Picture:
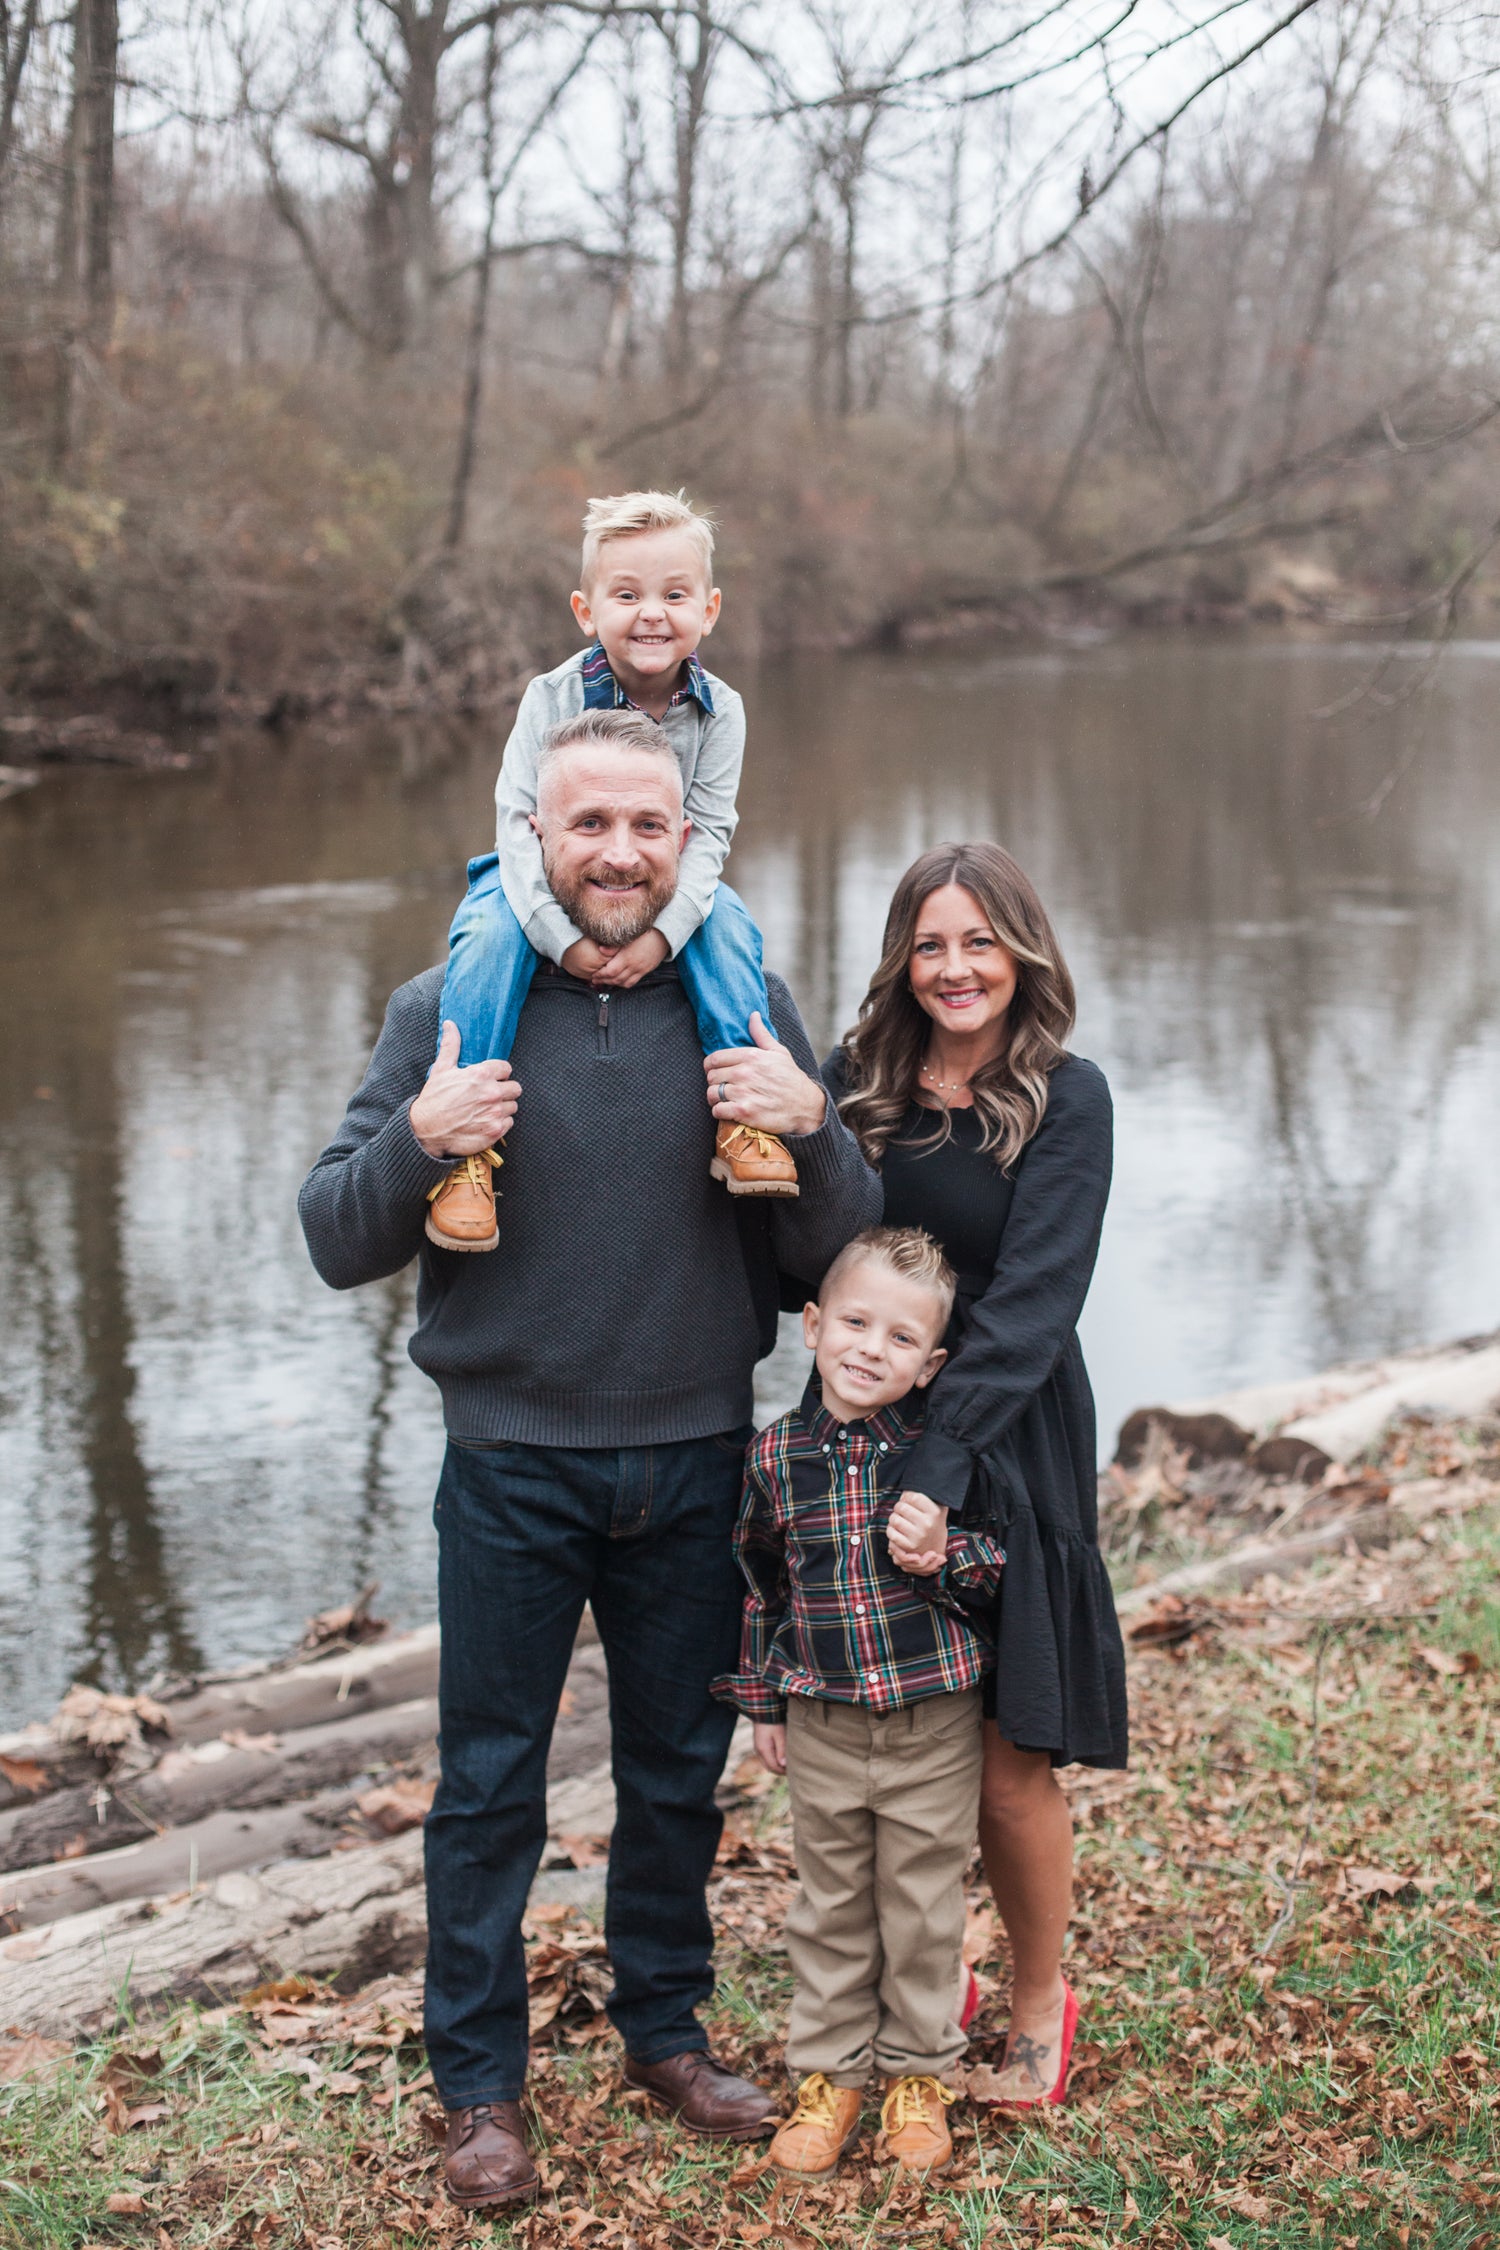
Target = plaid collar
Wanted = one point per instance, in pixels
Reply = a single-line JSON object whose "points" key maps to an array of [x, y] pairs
{"points": [[603, 692], [888, 1425]]}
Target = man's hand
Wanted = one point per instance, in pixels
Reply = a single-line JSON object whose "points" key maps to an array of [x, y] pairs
{"points": [[763, 1086], [770, 1746], [462, 1110], [631, 962], [917, 1535], [586, 960]]}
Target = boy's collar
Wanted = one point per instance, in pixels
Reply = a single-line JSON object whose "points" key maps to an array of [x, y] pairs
{"points": [[888, 1425], [603, 692]]}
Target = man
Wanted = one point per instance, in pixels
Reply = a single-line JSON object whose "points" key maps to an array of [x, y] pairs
{"points": [[596, 1378]]}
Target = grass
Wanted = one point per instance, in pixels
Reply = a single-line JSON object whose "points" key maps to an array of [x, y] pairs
{"points": [[1334, 2093]]}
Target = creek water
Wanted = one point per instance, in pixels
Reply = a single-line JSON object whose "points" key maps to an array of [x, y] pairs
{"points": [[1285, 930]]}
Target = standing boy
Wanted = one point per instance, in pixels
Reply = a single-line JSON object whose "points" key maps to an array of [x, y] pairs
{"points": [[863, 1682], [647, 600]]}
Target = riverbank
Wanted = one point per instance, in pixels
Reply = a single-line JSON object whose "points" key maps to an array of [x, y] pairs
{"points": [[1285, 1950], [1285, 1945]]}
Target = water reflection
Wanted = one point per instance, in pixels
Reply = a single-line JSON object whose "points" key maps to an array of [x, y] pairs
{"points": [[1296, 1005]]}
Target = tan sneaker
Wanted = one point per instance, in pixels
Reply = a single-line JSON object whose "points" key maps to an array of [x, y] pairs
{"points": [[914, 2125], [808, 2146], [462, 1216], [751, 1162]]}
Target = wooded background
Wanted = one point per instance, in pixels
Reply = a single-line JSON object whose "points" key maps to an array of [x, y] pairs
{"points": [[320, 319]]}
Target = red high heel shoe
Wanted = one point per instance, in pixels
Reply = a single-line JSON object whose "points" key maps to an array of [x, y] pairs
{"points": [[1059, 2093], [969, 2004]]}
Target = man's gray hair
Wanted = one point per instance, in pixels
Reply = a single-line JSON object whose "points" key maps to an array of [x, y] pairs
{"points": [[613, 730]]}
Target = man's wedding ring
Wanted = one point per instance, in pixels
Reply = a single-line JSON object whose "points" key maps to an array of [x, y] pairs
{"points": [[723, 1093]]}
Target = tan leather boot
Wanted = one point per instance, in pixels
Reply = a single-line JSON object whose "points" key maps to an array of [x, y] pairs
{"points": [[751, 1162], [462, 1214], [914, 2125], [811, 2141]]}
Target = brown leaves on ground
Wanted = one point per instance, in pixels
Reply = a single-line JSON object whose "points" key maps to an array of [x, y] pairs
{"points": [[28, 2056], [111, 1726], [398, 1806], [346, 1626]]}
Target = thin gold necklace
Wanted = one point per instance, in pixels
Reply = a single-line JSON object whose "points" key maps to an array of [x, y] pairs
{"points": [[942, 1085]]}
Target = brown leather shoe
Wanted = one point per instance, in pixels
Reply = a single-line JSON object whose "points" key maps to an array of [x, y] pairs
{"points": [[462, 1216], [485, 2160], [705, 2097], [751, 1162], [808, 2146], [914, 2125]]}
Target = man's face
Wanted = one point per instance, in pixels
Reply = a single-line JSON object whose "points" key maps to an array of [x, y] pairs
{"points": [[611, 829]]}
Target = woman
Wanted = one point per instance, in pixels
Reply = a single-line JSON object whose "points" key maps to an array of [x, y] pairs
{"points": [[990, 1135]]}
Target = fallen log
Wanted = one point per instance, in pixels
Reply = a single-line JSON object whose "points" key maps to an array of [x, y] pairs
{"points": [[346, 1918], [305, 1695], [180, 1860], [193, 1781], [1263, 1558]]}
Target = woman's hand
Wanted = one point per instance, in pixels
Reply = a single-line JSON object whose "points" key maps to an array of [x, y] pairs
{"points": [[917, 1535], [761, 1085], [462, 1110], [770, 1746]]}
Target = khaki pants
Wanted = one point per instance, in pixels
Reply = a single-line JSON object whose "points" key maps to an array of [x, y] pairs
{"points": [[885, 1811]]}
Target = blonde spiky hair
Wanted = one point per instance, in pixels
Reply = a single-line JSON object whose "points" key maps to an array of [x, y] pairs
{"points": [[623, 513], [908, 1251]]}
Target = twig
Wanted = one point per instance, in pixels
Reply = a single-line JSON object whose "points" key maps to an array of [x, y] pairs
{"points": [[1291, 1883]]}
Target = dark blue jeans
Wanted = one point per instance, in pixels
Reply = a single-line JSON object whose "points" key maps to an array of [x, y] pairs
{"points": [[526, 1535]]}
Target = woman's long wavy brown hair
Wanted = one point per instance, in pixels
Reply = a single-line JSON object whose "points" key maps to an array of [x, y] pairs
{"points": [[884, 1050]]}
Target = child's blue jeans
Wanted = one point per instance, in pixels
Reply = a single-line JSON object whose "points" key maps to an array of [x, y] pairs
{"points": [[491, 963]]}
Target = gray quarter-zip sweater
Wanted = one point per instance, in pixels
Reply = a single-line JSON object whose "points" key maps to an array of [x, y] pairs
{"points": [[630, 1296]]}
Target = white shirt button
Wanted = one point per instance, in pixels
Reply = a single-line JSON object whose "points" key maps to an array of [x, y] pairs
{"points": [[884, 1447], [873, 1678], [854, 1542], [859, 1609]]}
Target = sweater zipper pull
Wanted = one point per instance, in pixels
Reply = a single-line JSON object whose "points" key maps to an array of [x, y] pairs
{"points": [[603, 1022]]}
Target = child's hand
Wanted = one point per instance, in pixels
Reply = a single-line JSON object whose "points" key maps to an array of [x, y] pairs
{"points": [[586, 960], [629, 963], [770, 1746], [917, 1535]]}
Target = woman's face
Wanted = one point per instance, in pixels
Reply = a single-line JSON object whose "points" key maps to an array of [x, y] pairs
{"points": [[960, 972]]}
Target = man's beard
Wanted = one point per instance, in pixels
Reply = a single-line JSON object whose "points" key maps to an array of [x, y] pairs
{"points": [[606, 922]]}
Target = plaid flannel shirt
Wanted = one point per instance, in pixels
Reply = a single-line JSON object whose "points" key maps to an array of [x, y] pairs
{"points": [[603, 692], [827, 1613]]}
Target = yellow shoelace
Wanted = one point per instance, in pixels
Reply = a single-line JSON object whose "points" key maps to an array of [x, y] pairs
{"points": [[907, 2102], [763, 1144], [816, 2103], [471, 1167]]}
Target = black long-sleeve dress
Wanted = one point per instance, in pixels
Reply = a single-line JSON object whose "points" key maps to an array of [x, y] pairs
{"points": [[1010, 1419]]}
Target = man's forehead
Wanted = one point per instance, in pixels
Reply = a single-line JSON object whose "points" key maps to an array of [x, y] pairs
{"points": [[580, 777]]}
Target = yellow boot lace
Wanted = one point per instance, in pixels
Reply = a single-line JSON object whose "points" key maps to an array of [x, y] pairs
{"points": [[471, 1167], [908, 2101], [769, 1145], [816, 2103]]}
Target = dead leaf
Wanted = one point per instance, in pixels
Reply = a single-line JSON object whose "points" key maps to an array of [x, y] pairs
{"points": [[1366, 1882], [76, 1847], [398, 1806], [24, 1773], [983, 2083], [107, 1723], [32, 2057], [122, 2205], [146, 2113], [1219, 2242], [350, 1623], [1243, 2200], [586, 1851], [281, 1988], [1168, 1622], [127, 2072], [1464, 1665], [237, 1739]]}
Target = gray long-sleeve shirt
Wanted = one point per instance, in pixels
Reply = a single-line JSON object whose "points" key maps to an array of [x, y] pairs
{"points": [[710, 747], [630, 1296]]}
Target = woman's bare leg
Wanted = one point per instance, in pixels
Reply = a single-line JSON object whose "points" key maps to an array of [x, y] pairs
{"points": [[1026, 1839]]}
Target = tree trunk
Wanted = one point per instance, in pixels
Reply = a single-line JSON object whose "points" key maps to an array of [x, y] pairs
{"points": [[85, 211]]}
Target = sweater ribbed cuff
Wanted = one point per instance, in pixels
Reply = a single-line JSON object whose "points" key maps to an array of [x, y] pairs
{"points": [[401, 1158]]}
